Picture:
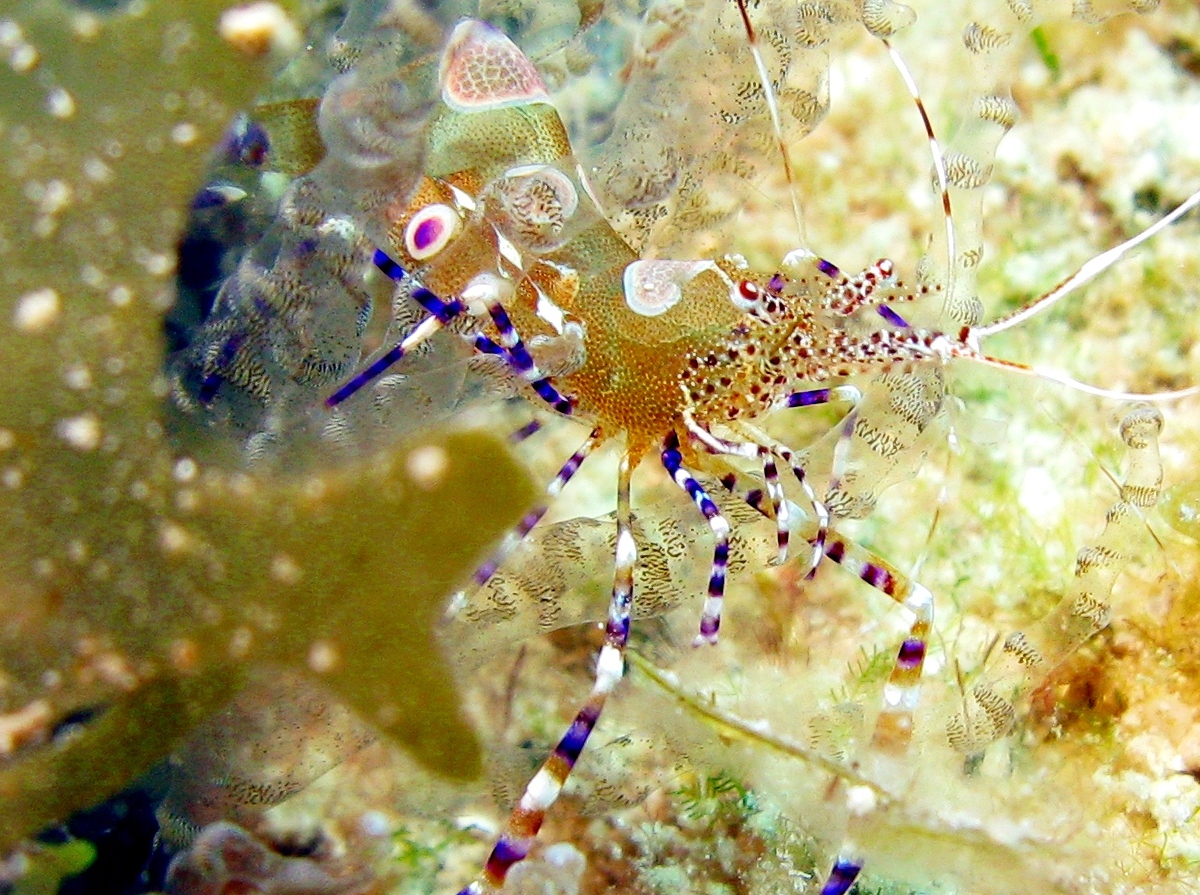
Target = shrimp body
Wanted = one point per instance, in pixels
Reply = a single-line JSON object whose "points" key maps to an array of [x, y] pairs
{"points": [[505, 207]]}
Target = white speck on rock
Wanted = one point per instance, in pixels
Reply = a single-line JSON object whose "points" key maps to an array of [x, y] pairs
{"points": [[861, 800], [185, 469], [96, 170], [24, 58], [323, 657], [256, 28], [60, 103], [80, 432], [173, 538], [184, 134], [78, 377], [37, 310], [55, 196], [284, 569], [427, 465]]}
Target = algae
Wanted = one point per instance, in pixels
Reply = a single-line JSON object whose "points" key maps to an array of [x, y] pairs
{"points": [[137, 581], [52, 865]]}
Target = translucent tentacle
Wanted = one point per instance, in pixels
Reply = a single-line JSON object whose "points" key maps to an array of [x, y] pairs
{"points": [[896, 412], [990, 704]]}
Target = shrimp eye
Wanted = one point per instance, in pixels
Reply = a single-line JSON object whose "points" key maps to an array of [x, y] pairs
{"points": [[746, 295], [430, 230]]}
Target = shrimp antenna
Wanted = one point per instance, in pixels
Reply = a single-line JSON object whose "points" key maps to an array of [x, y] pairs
{"points": [[773, 110], [1086, 388], [1087, 272], [939, 159]]}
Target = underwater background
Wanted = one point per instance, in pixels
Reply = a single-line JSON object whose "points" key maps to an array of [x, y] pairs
{"points": [[222, 644]]}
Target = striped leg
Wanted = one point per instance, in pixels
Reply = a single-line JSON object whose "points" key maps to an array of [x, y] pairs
{"points": [[752, 497], [902, 691], [814, 396], [811, 398], [779, 504], [485, 289], [513, 539], [845, 871], [710, 619], [440, 314], [752, 451], [529, 429], [518, 355], [901, 694], [819, 510], [543, 790]]}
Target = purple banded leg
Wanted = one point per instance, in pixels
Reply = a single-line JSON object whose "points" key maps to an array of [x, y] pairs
{"points": [[891, 317], [815, 396], [543, 790], [444, 311], [440, 313], [811, 398], [522, 361], [753, 497], [829, 269], [783, 531], [484, 345], [775, 492], [820, 512], [845, 871], [710, 618], [530, 428], [901, 693], [388, 266], [518, 534], [420, 333]]}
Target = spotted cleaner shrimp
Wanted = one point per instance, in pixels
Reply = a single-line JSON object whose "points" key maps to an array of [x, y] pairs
{"points": [[504, 242]]}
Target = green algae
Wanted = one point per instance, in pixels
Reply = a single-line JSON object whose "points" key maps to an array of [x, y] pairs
{"points": [[52, 864], [135, 580]]}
